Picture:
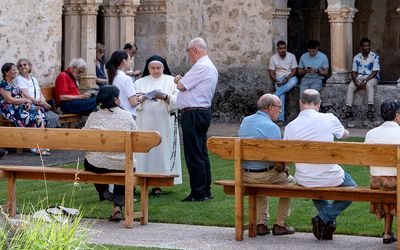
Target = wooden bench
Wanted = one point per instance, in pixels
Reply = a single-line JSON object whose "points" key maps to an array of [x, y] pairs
{"points": [[359, 154], [48, 93], [127, 142]]}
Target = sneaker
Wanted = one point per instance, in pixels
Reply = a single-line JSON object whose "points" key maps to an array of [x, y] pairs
{"points": [[328, 231], [282, 230], [318, 226], [262, 229]]}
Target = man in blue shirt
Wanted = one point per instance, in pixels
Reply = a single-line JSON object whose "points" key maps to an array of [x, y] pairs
{"points": [[314, 67], [364, 75], [261, 125]]}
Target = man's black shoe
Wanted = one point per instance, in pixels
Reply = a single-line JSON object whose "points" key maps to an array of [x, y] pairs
{"points": [[210, 196], [190, 198], [318, 226], [3, 152], [329, 229]]}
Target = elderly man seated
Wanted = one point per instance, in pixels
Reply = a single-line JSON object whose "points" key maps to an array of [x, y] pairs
{"points": [[68, 96]]}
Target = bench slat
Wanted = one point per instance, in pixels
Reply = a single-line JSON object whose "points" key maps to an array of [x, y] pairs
{"points": [[331, 193], [315, 152]]}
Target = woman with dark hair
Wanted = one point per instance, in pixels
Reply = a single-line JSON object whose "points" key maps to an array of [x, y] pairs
{"points": [[159, 104], [109, 117], [385, 178], [101, 75], [14, 106], [118, 64]]}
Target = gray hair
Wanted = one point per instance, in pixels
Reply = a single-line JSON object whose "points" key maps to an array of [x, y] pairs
{"points": [[266, 100], [198, 43], [78, 63], [310, 96]]}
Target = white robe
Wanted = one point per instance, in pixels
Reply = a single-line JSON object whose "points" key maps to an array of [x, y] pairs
{"points": [[156, 116]]}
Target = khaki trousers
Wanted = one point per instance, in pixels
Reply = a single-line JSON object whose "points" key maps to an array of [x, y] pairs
{"points": [[262, 202], [370, 91]]}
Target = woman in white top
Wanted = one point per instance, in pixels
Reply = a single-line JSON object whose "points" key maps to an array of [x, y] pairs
{"points": [[158, 112], [385, 178], [119, 63], [30, 88], [109, 117]]}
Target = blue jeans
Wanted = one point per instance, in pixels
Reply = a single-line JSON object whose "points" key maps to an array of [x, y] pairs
{"points": [[281, 91], [310, 83], [329, 210]]}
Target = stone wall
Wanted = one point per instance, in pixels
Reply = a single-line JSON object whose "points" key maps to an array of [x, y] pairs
{"points": [[240, 39], [32, 29]]}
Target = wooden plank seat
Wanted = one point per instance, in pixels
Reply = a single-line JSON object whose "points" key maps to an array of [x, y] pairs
{"points": [[352, 153], [128, 142]]}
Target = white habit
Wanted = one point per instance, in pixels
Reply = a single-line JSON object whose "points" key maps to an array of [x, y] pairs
{"points": [[156, 116]]}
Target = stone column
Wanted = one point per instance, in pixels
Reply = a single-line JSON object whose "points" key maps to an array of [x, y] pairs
{"points": [[127, 13], [279, 22], [72, 31], [88, 42], [111, 27], [341, 14]]}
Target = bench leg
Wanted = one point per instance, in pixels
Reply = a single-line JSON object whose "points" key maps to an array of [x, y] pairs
{"points": [[252, 213], [12, 195], [129, 201], [144, 202], [239, 217]]}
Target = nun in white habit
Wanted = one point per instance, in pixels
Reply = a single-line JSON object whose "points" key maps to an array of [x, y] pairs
{"points": [[157, 111]]}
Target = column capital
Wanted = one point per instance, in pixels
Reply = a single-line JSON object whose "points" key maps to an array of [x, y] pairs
{"points": [[71, 9], [341, 15], [153, 7], [89, 8], [127, 9], [110, 10], [281, 13]]}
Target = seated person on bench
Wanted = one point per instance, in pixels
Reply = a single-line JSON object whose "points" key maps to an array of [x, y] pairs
{"points": [[261, 125], [312, 125], [109, 117], [67, 93], [385, 178]]}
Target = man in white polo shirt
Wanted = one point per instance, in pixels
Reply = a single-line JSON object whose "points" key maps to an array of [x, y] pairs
{"points": [[312, 125], [196, 90], [282, 70]]}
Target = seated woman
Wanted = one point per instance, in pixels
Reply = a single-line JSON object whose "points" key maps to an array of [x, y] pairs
{"points": [[109, 117], [101, 75], [166, 158], [385, 178], [119, 63], [14, 106], [30, 88]]}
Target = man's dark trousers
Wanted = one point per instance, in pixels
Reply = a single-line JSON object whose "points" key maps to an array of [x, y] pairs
{"points": [[195, 124]]}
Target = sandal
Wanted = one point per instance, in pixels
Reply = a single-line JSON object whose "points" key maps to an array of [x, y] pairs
{"points": [[42, 152], [117, 216], [389, 240], [156, 191]]}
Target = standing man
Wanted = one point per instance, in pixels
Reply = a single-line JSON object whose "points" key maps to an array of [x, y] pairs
{"points": [[312, 125], [67, 93], [197, 89], [282, 70], [313, 66], [261, 126], [364, 76], [131, 49]]}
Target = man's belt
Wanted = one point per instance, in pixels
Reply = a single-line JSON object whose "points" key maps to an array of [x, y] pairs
{"points": [[259, 170], [194, 108]]}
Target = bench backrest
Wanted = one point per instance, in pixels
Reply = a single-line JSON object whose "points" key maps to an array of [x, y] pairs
{"points": [[305, 151], [48, 92]]}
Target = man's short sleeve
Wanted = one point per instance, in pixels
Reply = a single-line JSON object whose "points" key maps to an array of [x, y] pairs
{"points": [[355, 65], [272, 63], [325, 62], [376, 66], [293, 63], [337, 127]]}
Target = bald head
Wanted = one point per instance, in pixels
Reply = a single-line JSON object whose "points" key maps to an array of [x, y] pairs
{"points": [[267, 100], [310, 96]]}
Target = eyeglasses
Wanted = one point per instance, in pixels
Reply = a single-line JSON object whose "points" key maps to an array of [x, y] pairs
{"points": [[22, 64], [187, 49], [279, 106]]}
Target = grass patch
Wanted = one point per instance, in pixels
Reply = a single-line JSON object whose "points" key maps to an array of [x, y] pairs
{"points": [[356, 220]]}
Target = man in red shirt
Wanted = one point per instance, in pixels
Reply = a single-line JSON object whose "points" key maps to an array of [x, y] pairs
{"points": [[68, 96]]}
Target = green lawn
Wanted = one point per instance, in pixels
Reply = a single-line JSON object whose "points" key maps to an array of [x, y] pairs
{"points": [[168, 208]]}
